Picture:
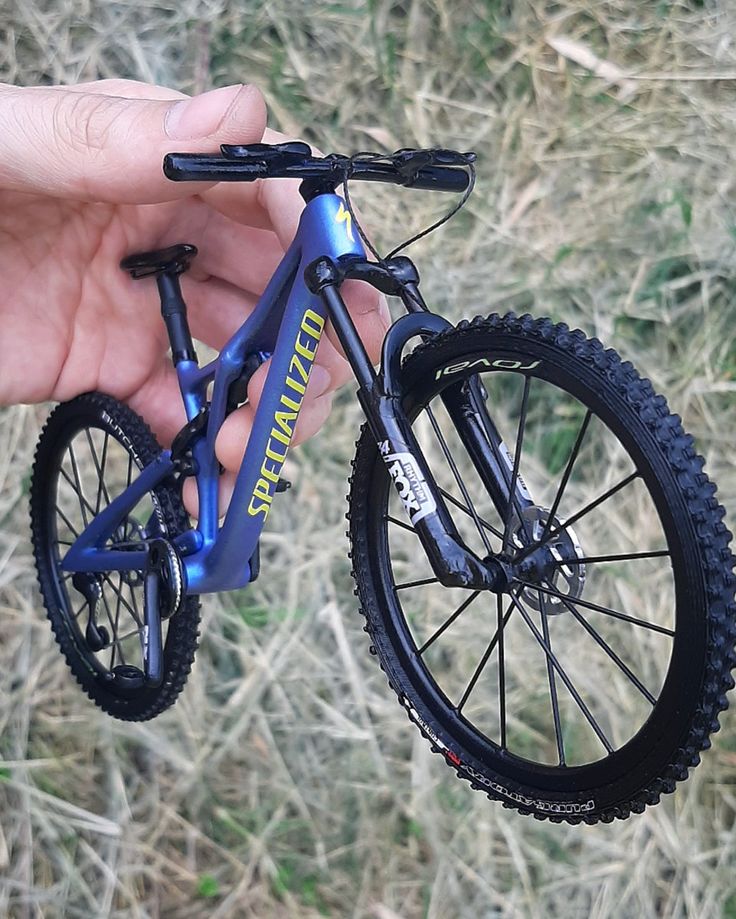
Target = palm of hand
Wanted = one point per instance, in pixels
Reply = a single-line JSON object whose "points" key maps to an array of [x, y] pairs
{"points": [[68, 309], [73, 321]]}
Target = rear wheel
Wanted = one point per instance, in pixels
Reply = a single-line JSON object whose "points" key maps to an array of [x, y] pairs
{"points": [[88, 453], [590, 687]]}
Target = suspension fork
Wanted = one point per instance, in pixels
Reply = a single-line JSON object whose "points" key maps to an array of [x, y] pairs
{"points": [[465, 402], [380, 396]]}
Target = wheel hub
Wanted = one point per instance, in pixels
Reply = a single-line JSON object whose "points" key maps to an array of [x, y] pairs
{"points": [[555, 565]]}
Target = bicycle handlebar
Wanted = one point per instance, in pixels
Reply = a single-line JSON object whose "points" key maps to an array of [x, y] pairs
{"points": [[195, 167]]}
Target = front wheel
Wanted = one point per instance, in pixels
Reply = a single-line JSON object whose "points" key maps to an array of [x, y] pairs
{"points": [[591, 685]]}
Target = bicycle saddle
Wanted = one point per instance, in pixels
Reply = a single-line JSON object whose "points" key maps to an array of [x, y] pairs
{"points": [[172, 260]]}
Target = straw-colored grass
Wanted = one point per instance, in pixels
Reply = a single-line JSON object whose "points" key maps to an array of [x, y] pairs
{"points": [[287, 781]]}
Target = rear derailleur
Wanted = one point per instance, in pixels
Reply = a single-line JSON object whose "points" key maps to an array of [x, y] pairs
{"points": [[163, 592]]}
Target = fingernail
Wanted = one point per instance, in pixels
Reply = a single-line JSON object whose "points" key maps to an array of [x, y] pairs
{"points": [[319, 380], [201, 116]]}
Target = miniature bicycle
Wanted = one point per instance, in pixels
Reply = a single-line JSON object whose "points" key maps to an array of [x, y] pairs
{"points": [[548, 584]]}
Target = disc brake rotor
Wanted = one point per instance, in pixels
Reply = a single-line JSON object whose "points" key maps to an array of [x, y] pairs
{"points": [[555, 566]]}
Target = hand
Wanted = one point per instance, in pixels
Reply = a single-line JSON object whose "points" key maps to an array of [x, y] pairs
{"points": [[81, 186]]}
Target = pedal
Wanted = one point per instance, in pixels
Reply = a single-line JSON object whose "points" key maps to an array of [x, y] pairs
{"points": [[283, 485]]}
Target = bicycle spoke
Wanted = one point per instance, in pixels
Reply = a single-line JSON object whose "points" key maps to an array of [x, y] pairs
{"points": [[458, 478], [453, 500], [416, 583], [83, 502], [448, 622], [602, 643], [568, 472], [116, 642], [483, 661], [600, 609], [109, 619], [501, 671], [552, 686], [133, 612], [399, 523], [575, 517], [63, 516], [625, 557], [563, 676], [517, 461], [75, 470], [138, 617], [118, 605], [100, 467]]}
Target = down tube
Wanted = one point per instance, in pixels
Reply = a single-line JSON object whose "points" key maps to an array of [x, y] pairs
{"points": [[273, 428]]}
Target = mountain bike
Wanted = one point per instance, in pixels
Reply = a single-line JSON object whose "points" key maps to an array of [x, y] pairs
{"points": [[540, 559]]}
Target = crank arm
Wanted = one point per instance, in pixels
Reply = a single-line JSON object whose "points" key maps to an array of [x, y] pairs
{"points": [[153, 662]]}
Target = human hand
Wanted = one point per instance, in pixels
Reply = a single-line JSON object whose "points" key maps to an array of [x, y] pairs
{"points": [[81, 185]]}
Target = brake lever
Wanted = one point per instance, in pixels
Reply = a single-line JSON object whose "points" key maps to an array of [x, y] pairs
{"points": [[444, 157], [408, 161]]}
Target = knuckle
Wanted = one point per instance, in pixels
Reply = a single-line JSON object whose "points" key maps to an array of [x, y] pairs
{"points": [[82, 123]]}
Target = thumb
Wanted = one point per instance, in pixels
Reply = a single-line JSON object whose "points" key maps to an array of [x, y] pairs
{"points": [[96, 147]]}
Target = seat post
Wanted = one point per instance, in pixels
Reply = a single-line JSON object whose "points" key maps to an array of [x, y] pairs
{"points": [[174, 312]]}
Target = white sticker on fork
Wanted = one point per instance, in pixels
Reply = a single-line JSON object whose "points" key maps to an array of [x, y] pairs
{"points": [[410, 483], [520, 483]]}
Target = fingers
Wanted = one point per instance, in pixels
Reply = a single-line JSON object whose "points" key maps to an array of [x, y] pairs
{"points": [[242, 255], [216, 309], [225, 488], [369, 312], [274, 204], [235, 430], [126, 89], [92, 146]]}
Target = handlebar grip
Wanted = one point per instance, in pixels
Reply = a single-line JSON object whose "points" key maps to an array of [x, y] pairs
{"points": [[440, 178], [194, 167]]}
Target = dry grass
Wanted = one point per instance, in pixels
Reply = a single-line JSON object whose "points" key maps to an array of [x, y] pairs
{"points": [[287, 781]]}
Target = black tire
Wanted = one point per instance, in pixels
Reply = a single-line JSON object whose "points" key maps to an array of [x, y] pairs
{"points": [[695, 667], [127, 443]]}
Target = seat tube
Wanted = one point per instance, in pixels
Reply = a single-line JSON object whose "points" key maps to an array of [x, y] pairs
{"points": [[174, 313]]}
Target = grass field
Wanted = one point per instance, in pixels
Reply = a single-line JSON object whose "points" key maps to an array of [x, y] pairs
{"points": [[287, 781]]}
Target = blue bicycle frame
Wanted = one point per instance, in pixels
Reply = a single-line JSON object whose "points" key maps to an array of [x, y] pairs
{"points": [[286, 324], [286, 327]]}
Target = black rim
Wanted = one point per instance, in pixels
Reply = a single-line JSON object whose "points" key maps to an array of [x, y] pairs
{"points": [[90, 466], [564, 756]]}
